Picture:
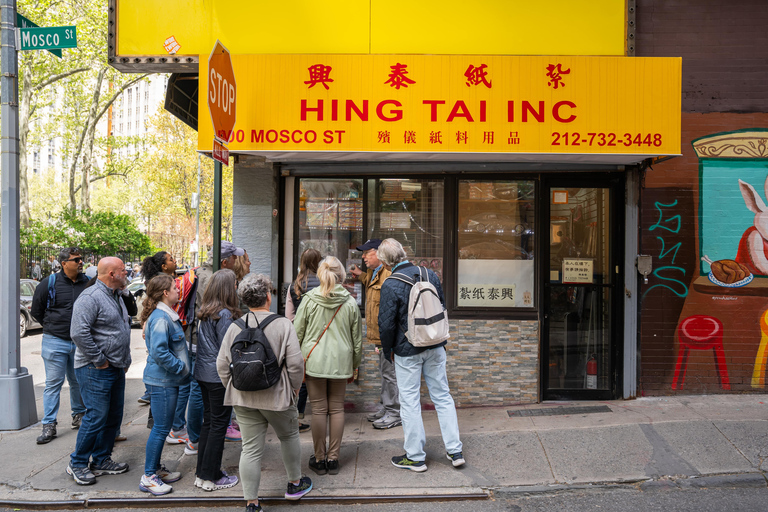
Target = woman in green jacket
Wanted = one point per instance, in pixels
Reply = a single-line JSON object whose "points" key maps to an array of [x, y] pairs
{"points": [[329, 328]]}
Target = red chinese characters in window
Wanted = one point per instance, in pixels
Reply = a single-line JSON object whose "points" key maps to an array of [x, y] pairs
{"points": [[554, 72], [319, 74], [397, 78], [477, 75]]}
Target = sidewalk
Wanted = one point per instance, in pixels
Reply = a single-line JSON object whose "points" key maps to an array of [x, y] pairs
{"points": [[659, 441]]}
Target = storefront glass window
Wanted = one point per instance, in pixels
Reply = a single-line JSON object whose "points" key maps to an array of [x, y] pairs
{"points": [[331, 221], [496, 251], [410, 211]]}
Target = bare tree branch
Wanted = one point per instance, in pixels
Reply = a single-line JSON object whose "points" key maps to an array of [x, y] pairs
{"points": [[117, 93], [55, 78], [101, 177]]}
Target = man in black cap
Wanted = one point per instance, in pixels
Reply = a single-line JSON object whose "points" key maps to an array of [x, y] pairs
{"points": [[389, 414]]}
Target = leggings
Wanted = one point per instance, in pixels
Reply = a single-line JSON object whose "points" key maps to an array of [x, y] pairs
{"points": [[327, 399]]}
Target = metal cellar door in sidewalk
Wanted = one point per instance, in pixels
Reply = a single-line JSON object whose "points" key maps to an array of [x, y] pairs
{"points": [[581, 316]]}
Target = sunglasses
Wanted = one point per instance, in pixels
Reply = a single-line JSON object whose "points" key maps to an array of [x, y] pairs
{"points": [[76, 260]]}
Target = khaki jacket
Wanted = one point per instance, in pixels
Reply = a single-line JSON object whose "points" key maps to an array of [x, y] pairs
{"points": [[372, 300]]}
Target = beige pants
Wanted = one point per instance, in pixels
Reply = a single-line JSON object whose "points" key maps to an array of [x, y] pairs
{"points": [[327, 399]]}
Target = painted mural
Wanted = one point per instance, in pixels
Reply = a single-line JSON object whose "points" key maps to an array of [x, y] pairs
{"points": [[722, 330]]}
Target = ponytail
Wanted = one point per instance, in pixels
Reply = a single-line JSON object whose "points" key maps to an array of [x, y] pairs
{"points": [[330, 272]]}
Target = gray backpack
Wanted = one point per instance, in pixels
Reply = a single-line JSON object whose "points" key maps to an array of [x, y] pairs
{"points": [[427, 318]]}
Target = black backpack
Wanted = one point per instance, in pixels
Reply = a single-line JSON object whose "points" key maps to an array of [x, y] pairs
{"points": [[254, 366]]}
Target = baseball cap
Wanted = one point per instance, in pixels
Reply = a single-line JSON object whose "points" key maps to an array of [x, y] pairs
{"points": [[373, 243], [229, 249]]}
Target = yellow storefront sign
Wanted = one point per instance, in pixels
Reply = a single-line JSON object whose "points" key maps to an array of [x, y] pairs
{"points": [[497, 27], [452, 104]]}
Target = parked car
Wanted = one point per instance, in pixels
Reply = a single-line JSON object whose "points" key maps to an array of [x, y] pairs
{"points": [[138, 290], [26, 322]]}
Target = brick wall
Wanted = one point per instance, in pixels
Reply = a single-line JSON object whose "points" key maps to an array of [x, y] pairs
{"points": [[724, 46], [671, 189], [490, 362]]}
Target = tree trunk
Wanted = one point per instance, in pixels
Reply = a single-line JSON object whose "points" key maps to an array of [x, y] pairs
{"points": [[90, 127], [26, 100]]}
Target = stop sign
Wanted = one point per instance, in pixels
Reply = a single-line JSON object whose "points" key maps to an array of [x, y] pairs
{"points": [[222, 92]]}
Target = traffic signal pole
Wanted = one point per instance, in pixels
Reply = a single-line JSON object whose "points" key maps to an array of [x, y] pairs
{"points": [[17, 393], [217, 180]]}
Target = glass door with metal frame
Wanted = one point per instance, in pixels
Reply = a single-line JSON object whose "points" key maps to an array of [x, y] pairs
{"points": [[581, 328]]}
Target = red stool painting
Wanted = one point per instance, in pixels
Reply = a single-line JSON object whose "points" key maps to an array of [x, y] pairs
{"points": [[701, 332]]}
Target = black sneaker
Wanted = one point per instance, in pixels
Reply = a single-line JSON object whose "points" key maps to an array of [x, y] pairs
{"points": [[253, 508], [77, 420], [317, 466], [109, 467], [49, 432], [333, 467], [405, 463], [303, 427], [82, 476], [295, 492], [457, 459]]}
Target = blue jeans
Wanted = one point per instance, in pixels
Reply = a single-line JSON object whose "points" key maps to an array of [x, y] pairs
{"points": [[59, 359], [409, 369], [103, 393], [163, 402], [192, 418]]}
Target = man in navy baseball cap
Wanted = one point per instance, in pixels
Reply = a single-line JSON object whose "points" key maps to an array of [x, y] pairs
{"points": [[373, 243], [388, 415]]}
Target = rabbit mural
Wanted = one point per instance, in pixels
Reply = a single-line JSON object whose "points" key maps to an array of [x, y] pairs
{"points": [[753, 246]]}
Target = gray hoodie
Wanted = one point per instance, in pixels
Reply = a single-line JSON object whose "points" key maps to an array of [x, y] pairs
{"points": [[101, 328]]}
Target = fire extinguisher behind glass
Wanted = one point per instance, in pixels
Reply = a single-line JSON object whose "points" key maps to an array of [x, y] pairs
{"points": [[592, 372]]}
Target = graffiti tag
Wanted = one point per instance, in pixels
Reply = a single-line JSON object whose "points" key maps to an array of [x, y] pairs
{"points": [[665, 273]]}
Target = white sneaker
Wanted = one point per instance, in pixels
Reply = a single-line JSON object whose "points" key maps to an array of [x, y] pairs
{"points": [[154, 485], [190, 448], [199, 481], [387, 421], [168, 476]]}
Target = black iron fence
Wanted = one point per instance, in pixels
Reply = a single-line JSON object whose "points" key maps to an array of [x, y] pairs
{"points": [[38, 261]]}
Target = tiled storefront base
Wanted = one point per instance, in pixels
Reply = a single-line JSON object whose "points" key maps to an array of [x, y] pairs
{"points": [[490, 362]]}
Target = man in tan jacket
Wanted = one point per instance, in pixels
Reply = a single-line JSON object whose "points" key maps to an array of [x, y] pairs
{"points": [[389, 414]]}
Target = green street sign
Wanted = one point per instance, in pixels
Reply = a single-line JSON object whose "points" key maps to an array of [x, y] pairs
{"points": [[22, 22], [47, 38]]}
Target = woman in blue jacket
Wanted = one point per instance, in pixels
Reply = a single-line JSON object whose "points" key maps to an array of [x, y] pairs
{"points": [[167, 369]]}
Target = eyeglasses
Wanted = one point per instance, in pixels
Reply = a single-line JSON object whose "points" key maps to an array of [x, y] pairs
{"points": [[76, 260]]}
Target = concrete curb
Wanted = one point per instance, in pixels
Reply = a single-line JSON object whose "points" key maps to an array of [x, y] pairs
{"points": [[740, 480], [226, 501]]}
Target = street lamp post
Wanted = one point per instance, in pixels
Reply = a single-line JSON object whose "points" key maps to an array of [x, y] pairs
{"points": [[17, 393]]}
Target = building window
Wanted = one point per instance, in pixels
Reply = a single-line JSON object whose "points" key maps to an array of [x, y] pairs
{"points": [[410, 211], [495, 244], [331, 221]]}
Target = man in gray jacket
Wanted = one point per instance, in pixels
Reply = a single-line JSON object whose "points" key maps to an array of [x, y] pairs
{"points": [[101, 331]]}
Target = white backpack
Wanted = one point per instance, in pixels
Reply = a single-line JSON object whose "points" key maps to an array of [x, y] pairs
{"points": [[427, 318]]}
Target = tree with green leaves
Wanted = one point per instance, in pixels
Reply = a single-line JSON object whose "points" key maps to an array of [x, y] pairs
{"points": [[103, 233], [78, 89]]}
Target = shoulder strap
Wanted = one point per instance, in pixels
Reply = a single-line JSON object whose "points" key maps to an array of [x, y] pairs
{"points": [[425, 275], [321, 335], [401, 279], [51, 290], [240, 323], [267, 321]]}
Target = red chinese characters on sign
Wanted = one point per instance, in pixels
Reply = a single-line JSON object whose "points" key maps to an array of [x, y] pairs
{"points": [[488, 137], [477, 75], [462, 137], [384, 137], [435, 137], [397, 78], [319, 74], [553, 72], [409, 137]]}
